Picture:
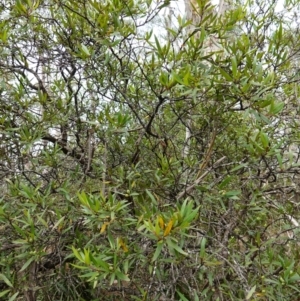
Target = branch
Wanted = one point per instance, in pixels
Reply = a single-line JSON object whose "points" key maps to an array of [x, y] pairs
{"points": [[191, 187], [65, 150]]}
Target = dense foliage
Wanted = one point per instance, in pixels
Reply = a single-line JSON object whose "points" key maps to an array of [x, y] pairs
{"points": [[140, 160]]}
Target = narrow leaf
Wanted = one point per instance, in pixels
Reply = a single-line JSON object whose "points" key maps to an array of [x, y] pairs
{"points": [[182, 297], [122, 276], [264, 139], [4, 293], [58, 222], [226, 75], [234, 66], [4, 278], [157, 251], [14, 296], [276, 108], [103, 227], [168, 228], [76, 253], [251, 292], [151, 197], [161, 222], [27, 263], [174, 246], [85, 50]]}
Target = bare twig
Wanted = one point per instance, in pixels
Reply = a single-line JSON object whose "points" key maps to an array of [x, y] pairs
{"points": [[191, 187]]}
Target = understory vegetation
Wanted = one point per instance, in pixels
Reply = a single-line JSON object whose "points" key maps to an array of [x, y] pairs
{"points": [[144, 156]]}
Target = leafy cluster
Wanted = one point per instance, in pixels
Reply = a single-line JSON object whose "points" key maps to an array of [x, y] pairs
{"points": [[141, 161]]}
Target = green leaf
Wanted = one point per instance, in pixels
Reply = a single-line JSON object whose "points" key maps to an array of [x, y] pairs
{"points": [[14, 296], [151, 196], [27, 263], [21, 8], [240, 166], [158, 250], [295, 277], [122, 276], [225, 182], [202, 35], [225, 74], [178, 78], [85, 50], [173, 246], [126, 266], [276, 108], [5, 279], [251, 292], [77, 255], [111, 241], [159, 49], [279, 32], [4, 293], [234, 67], [112, 278], [79, 266], [232, 193], [190, 216], [279, 160], [87, 258], [36, 4], [183, 208], [196, 298], [264, 139], [57, 223], [202, 247], [83, 198], [164, 4], [182, 297], [90, 275], [102, 264], [163, 78]]}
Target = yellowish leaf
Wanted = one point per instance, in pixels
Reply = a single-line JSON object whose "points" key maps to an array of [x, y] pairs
{"points": [[103, 228], [122, 244], [168, 228], [161, 222]]}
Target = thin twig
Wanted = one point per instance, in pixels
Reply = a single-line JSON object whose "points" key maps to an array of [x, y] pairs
{"points": [[191, 187]]}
